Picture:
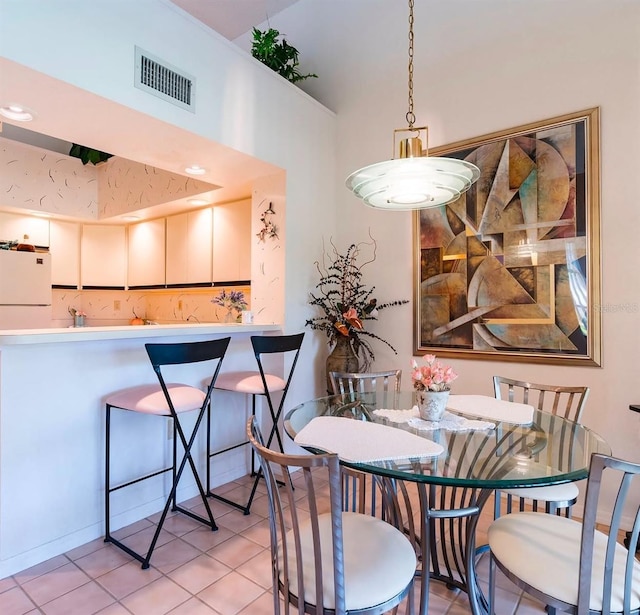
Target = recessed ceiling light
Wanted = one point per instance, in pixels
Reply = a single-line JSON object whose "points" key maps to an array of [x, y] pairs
{"points": [[130, 218], [194, 169], [198, 201], [17, 113]]}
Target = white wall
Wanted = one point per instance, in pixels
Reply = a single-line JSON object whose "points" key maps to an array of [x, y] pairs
{"points": [[240, 104], [482, 66]]}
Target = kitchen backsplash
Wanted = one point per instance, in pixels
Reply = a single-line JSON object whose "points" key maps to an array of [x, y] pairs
{"points": [[104, 307]]}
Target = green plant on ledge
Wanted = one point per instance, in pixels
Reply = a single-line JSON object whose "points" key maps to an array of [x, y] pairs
{"points": [[277, 54], [87, 154]]}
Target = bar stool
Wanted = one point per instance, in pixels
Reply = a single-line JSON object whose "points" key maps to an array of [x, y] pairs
{"points": [[256, 383], [168, 400]]}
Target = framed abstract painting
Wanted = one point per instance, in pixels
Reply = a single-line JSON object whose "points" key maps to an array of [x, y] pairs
{"points": [[511, 269]]}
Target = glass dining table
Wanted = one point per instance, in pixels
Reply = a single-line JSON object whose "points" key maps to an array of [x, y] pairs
{"points": [[451, 469]]}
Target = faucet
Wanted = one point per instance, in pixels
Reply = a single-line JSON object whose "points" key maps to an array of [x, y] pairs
{"points": [[194, 318]]}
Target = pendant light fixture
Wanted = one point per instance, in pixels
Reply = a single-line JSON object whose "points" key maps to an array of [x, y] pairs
{"points": [[413, 180]]}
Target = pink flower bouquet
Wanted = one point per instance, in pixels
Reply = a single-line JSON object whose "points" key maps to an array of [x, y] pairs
{"points": [[433, 376]]}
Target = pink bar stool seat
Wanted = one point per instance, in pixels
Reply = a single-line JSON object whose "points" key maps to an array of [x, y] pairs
{"points": [[249, 382], [150, 399]]}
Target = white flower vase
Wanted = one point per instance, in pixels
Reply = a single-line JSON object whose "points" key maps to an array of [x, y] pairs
{"points": [[432, 404]]}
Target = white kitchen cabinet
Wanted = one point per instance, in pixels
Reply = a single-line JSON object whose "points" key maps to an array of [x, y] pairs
{"points": [[103, 252], [232, 242], [65, 253], [189, 242], [15, 227], [146, 254]]}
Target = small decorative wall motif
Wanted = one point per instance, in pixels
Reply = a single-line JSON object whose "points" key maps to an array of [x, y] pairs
{"points": [[269, 229]]}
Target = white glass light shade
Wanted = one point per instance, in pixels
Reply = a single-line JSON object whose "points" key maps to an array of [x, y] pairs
{"points": [[413, 183]]}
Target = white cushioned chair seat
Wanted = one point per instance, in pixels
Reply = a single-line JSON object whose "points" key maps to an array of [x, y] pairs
{"points": [[566, 492], [150, 399], [248, 382], [544, 551], [379, 561]]}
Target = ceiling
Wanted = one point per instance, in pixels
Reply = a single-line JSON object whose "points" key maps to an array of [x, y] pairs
{"points": [[232, 18]]}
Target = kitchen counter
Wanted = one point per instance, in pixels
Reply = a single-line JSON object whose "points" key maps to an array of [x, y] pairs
{"points": [[116, 332], [53, 386]]}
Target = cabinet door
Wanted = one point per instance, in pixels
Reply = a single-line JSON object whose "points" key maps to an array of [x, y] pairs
{"points": [[189, 240], [65, 253], [232, 242], [146, 266], [15, 227], [103, 256]]}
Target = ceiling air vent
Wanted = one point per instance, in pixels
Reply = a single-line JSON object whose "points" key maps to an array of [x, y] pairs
{"points": [[163, 80]]}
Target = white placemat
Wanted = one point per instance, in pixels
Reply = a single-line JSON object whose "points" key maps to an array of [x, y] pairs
{"points": [[450, 422], [491, 408], [362, 441]]}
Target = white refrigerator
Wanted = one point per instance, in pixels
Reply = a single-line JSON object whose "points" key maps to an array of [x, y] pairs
{"points": [[25, 290]]}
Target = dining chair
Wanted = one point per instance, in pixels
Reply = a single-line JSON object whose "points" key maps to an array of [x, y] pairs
{"points": [[361, 382], [360, 490], [324, 560], [570, 565], [567, 402]]}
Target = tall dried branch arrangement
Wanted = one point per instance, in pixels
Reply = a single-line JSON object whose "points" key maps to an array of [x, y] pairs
{"points": [[345, 302]]}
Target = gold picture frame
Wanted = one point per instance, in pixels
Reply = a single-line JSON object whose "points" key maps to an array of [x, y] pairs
{"points": [[511, 269]]}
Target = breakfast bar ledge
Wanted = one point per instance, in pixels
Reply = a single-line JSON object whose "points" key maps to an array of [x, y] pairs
{"points": [[53, 383]]}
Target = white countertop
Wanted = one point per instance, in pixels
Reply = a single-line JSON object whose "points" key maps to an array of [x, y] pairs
{"points": [[86, 334]]}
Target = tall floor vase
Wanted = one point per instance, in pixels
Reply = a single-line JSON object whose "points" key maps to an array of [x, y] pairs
{"points": [[341, 359]]}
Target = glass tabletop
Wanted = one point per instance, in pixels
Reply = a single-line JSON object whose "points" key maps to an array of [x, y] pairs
{"points": [[548, 450]]}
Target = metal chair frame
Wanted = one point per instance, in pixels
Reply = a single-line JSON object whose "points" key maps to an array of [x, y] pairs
{"points": [[568, 402], [162, 355], [289, 511], [350, 383], [262, 345], [355, 484], [627, 472]]}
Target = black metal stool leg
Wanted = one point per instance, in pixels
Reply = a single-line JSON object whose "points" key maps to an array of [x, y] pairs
{"points": [[188, 457], [275, 417], [245, 508], [171, 499], [175, 459], [627, 543], [107, 473], [209, 446], [253, 453]]}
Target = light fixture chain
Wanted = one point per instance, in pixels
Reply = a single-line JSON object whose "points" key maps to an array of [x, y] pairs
{"points": [[414, 180], [411, 118]]}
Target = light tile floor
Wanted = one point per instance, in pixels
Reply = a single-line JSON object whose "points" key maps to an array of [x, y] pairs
{"points": [[194, 571]]}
